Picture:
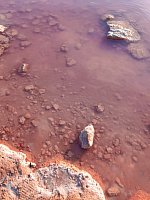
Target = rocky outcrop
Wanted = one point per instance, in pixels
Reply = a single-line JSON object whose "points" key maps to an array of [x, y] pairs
{"points": [[87, 136], [57, 181], [122, 30]]}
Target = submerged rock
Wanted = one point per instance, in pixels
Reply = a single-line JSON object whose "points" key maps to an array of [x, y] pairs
{"points": [[122, 30], [138, 51], [87, 137], [107, 17], [57, 181]]}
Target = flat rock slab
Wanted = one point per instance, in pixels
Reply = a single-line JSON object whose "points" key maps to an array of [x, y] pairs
{"points": [[122, 30], [57, 181], [138, 51]]}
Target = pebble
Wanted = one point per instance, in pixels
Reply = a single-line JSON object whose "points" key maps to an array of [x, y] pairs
{"points": [[113, 191], [55, 107], [64, 48], [25, 43], [91, 30], [22, 120], [62, 123], [21, 37], [61, 27], [134, 158], [27, 116], [117, 180], [78, 46], [47, 107], [28, 88], [99, 108], [70, 62], [23, 69], [42, 91], [1, 77], [34, 123]]}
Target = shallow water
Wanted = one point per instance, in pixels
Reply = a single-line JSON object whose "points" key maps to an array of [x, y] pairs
{"points": [[104, 73]]}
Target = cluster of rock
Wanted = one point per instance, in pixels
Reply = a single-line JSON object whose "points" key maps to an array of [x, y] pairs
{"points": [[57, 181], [123, 30]]}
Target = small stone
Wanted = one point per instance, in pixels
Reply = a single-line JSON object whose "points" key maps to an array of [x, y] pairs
{"points": [[91, 30], [53, 22], [61, 27], [109, 150], [99, 108], [86, 137], [113, 191], [62, 123], [34, 123], [29, 88], [134, 158], [70, 62], [23, 69], [21, 37], [42, 91], [27, 116], [117, 180], [116, 142], [25, 43], [100, 155], [12, 32], [107, 156], [47, 107], [36, 30], [64, 48], [7, 92], [55, 107], [22, 120], [1, 77], [78, 46]]}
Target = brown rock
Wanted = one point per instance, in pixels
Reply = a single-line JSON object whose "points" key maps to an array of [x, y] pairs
{"points": [[34, 123], [55, 107], [25, 43], [70, 62], [29, 88], [113, 191], [99, 108], [64, 48]]}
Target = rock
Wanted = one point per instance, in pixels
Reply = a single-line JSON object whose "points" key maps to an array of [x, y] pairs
{"points": [[138, 51], [53, 22], [34, 123], [55, 107], [122, 30], [12, 32], [47, 107], [113, 191], [21, 37], [56, 181], [86, 137], [70, 62], [91, 30], [23, 69], [22, 120], [62, 123], [36, 30], [64, 48], [28, 88], [4, 39], [60, 27], [78, 46], [27, 116], [107, 17], [42, 91], [2, 28], [25, 43], [99, 108], [117, 180], [1, 77]]}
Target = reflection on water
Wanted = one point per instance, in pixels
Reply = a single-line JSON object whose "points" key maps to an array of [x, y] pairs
{"points": [[47, 34]]}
